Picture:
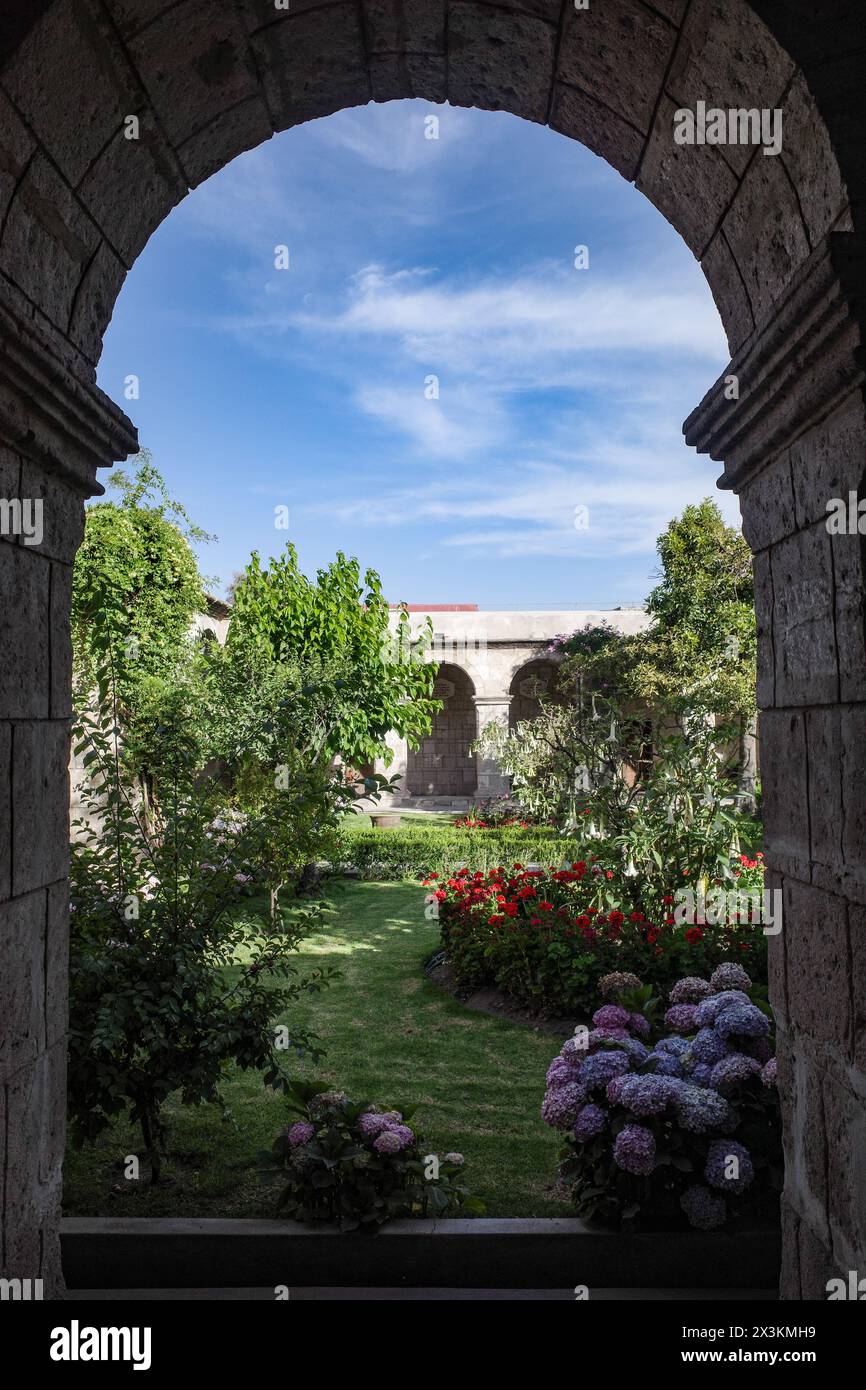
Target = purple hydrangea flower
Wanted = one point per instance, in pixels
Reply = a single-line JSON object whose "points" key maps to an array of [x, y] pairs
{"points": [[372, 1123], [599, 1036], [560, 1106], [648, 1095], [699, 1110], [636, 1051], [704, 1210], [729, 975], [677, 1046], [601, 1068], [388, 1142], [613, 1089], [709, 1009], [708, 1046], [731, 1070], [634, 1150], [681, 1017], [561, 1071], [760, 1048], [611, 1016], [742, 1020], [667, 1064], [618, 982], [702, 1075], [590, 1122], [689, 990], [403, 1133], [300, 1133], [457, 1159], [719, 1156], [639, 1025], [769, 1075]]}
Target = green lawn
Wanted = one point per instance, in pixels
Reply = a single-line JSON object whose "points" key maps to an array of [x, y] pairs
{"points": [[390, 1035]]}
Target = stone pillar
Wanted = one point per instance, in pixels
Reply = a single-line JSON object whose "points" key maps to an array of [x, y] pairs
{"points": [[491, 709], [397, 767], [795, 440], [55, 429]]}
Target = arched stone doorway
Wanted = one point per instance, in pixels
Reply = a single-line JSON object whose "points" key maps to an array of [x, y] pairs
{"points": [[443, 765], [110, 111]]}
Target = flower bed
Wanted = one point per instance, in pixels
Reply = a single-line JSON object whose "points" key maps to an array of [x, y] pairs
{"points": [[677, 1125], [541, 936]]}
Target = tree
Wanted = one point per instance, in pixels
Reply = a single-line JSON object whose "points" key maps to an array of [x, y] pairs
{"points": [[372, 680]]}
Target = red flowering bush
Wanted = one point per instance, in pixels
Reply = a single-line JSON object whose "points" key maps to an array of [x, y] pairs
{"points": [[541, 935]]}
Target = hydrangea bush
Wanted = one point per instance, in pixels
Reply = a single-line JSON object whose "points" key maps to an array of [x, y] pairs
{"points": [[357, 1165], [671, 1121]]}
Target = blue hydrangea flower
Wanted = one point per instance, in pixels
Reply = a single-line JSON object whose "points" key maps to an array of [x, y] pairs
{"points": [[704, 1210], [648, 1095], [742, 1020], [707, 1046], [699, 1110], [667, 1064], [682, 1018], [678, 1046], [719, 1156], [701, 1074], [709, 1009], [601, 1068]]}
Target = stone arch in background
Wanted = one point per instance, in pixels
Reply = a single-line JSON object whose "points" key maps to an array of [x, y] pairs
{"points": [[780, 240], [531, 683], [443, 765]]}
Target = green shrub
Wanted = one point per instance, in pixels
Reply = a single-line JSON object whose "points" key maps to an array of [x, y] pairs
{"points": [[416, 851]]}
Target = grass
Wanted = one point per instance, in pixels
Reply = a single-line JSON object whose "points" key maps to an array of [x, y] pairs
{"points": [[390, 1035]]}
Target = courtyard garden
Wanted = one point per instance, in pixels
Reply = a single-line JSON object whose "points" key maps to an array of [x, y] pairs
{"points": [[255, 1027]]}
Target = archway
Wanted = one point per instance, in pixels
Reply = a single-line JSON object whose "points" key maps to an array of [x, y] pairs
{"points": [[443, 766], [533, 683], [110, 112]]}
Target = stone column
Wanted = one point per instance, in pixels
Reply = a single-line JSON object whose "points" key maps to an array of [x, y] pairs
{"points": [[491, 709], [55, 429], [397, 767], [795, 440]]}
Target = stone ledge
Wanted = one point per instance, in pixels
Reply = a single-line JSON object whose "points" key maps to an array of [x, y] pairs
{"points": [[793, 370], [558, 1252]]}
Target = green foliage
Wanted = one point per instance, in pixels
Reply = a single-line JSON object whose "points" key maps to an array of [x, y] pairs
{"points": [[338, 1171], [135, 587], [700, 652], [378, 681], [172, 977], [418, 849]]}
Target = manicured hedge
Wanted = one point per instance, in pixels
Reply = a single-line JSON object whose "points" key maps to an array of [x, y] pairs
{"points": [[418, 850]]}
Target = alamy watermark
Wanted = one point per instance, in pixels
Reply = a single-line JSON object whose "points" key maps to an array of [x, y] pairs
{"points": [[715, 125], [732, 905], [22, 517]]}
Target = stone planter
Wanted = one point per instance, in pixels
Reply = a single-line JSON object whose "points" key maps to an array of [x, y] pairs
{"points": [[385, 821], [555, 1253]]}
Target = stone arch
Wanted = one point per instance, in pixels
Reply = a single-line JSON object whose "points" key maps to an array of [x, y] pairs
{"points": [[533, 681], [783, 253], [443, 765]]}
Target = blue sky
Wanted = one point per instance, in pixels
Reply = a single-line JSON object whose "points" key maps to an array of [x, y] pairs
{"points": [[308, 388]]}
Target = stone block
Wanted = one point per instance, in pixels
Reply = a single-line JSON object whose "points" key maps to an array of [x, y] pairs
{"points": [[845, 1122], [766, 233], [62, 512], [94, 304], [762, 570], [601, 44], [767, 501], [811, 161], [61, 642], [582, 118], [73, 118], [5, 810], [825, 755], [132, 15], [40, 791], [24, 633], [816, 951], [852, 775], [827, 462], [729, 293], [48, 241], [22, 982], [405, 26], [804, 629], [789, 1284], [313, 64], [690, 185], [149, 166], [857, 938], [728, 58], [241, 128], [57, 964], [500, 60], [776, 955], [16, 148], [195, 64], [849, 574], [36, 1114], [784, 772]]}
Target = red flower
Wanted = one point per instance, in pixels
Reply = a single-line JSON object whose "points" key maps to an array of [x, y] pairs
{"points": [[693, 935]]}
